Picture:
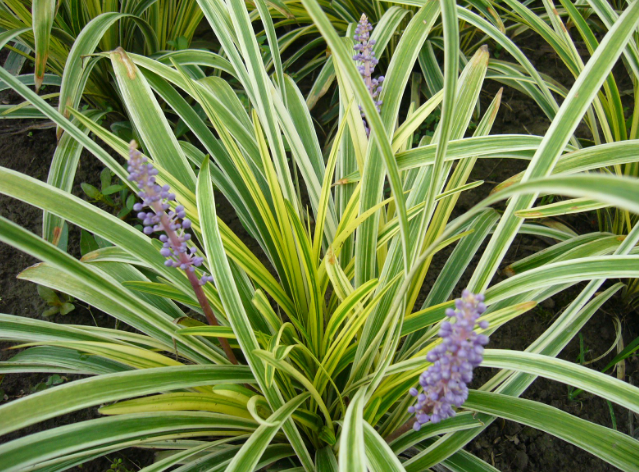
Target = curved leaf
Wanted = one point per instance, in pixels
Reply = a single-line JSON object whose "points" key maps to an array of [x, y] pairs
{"points": [[249, 455], [566, 372], [84, 393], [19, 455], [616, 448]]}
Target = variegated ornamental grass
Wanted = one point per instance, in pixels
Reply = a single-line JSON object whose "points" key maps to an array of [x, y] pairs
{"points": [[303, 48], [605, 118], [58, 35], [325, 320]]}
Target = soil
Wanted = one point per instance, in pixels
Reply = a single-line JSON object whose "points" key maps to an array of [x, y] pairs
{"points": [[30, 151], [506, 445]]}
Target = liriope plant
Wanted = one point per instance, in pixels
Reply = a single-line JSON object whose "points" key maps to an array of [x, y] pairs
{"points": [[306, 55], [330, 341], [57, 35], [608, 121]]}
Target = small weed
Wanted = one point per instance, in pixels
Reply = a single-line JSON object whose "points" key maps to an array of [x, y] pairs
{"points": [[59, 303], [118, 466], [51, 382]]}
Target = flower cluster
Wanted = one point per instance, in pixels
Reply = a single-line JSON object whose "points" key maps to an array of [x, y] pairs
{"points": [[445, 383], [365, 56], [162, 218]]}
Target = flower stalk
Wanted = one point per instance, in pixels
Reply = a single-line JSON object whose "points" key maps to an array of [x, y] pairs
{"points": [[445, 383], [173, 224], [365, 56]]}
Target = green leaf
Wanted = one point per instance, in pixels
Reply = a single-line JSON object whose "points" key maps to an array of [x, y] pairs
{"points": [[91, 218], [93, 391], [61, 175], [54, 310], [450, 27], [21, 454], [105, 178], [615, 191], [463, 461], [91, 192], [566, 372], [48, 295], [149, 119], [380, 456], [561, 272], [616, 448], [322, 84], [163, 290], [87, 243], [325, 460], [224, 401], [459, 422], [111, 189], [567, 207], [165, 464], [18, 328], [74, 77], [66, 308], [43, 15], [249, 455], [233, 28], [59, 360], [561, 129], [210, 331], [352, 450], [237, 316]]}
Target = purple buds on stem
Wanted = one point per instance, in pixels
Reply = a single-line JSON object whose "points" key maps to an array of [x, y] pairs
{"points": [[365, 57], [162, 219], [445, 383], [173, 224]]}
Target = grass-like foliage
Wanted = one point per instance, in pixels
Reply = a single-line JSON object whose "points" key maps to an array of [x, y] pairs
{"points": [[330, 320], [607, 119], [59, 35], [303, 49]]}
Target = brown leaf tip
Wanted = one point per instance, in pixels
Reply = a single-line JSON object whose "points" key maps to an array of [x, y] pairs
{"points": [[130, 67]]}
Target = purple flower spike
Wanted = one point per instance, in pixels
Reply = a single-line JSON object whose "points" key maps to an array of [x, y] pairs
{"points": [[162, 218], [445, 383], [365, 57]]}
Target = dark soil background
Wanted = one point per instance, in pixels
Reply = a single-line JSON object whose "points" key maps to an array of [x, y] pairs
{"points": [[506, 445], [30, 150]]}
